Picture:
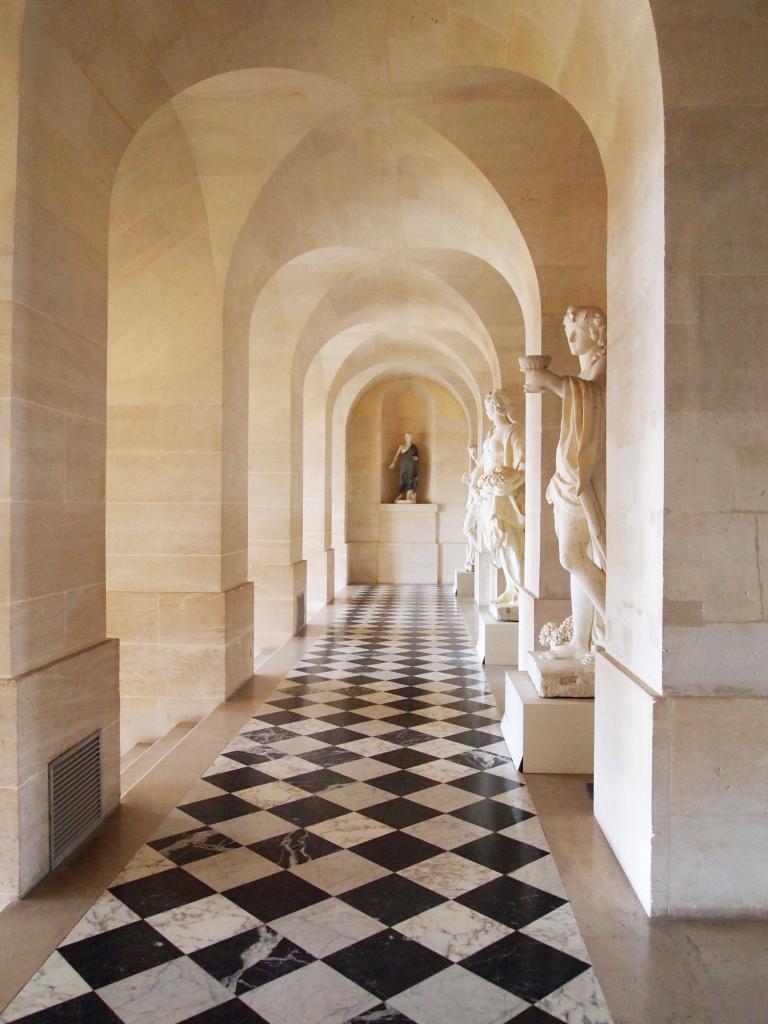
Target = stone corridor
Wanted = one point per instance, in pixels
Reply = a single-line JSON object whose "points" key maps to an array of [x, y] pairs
{"points": [[362, 850]]}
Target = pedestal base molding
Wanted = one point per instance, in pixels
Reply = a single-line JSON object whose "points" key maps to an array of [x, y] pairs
{"points": [[497, 642], [561, 677]]}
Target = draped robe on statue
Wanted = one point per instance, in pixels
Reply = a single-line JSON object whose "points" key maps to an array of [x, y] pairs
{"points": [[579, 480], [502, 521]]}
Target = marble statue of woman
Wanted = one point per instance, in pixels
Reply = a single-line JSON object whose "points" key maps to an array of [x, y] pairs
{"points": [[499, 479], [469, 529], [408, 454], [577, 490]]}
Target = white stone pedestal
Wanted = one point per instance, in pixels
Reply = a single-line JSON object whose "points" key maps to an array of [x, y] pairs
{"points": [[464, 583], [497, 641], [561, 677], [408, 550], [546, 735]]}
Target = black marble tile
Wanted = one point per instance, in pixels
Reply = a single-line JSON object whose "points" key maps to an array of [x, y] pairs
{"points": [[326, 757], [118, 953], [484, 784], [280, 717], [403, 782], [294, 848], [387, 963], [492, 814], [251, 959], [233, 1012], [524, 966], [405, 757], [238, 778], [511, 901], [481, 760], [275, 896], [336, 736], [87, 1009], [535, 1015], [500, 853], [381, 1014], [400, 812], [475, 738], [397, 850], [161, 891], [218, 808], [272, 734], [250, 757], [320, 780], [392, 899], [193, 845], [310, 811]]}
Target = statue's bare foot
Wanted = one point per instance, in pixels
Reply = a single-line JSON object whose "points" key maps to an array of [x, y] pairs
{"points": [[572, 650]]}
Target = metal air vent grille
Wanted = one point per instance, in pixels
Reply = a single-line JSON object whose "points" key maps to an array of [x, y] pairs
{"points": [[74, 797]]}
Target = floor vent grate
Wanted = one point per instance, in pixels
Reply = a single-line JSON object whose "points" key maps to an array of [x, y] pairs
{"points": [[301, 612], [74, 797]]}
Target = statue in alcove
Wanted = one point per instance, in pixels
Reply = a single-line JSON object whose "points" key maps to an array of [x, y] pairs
{"points": [[498, 481], [469, 529], [408, 454], [577, 490]]}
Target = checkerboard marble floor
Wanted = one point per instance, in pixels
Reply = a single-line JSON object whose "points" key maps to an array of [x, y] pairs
{"points": [[362, 851]]}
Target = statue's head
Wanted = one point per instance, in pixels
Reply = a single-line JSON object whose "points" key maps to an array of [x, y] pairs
{"points": [[408, 437], [585, 329], [498, 402]]}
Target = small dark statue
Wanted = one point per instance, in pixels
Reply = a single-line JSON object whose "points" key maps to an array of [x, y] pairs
{"points": [[409, 469]]}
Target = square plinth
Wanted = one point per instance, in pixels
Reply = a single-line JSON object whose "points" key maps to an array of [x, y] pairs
{"points": [[464, 583], [497, 641], [546, 735], [407, 523]]}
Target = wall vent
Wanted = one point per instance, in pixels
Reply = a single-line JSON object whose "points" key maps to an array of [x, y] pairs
{"points": [[301, 612], [74, 797]]}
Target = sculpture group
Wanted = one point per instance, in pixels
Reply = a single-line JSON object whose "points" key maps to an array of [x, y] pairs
{"points": [[495, 520]]}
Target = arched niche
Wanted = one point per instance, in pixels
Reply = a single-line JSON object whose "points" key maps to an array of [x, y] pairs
{"points": [[397, 544]]}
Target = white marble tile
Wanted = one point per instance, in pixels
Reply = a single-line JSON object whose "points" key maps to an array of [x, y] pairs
{"points": [[444, 798], [364, 769], [221, 764], [441, 748], [356, 795], [317, 710], [376, 727], [559, 929], [456, 996], [339, 872], [299, 745], [528, 831], [176, 822], [145, 862], [315, 994], [446, 831], [442, 771], [252, 828], [580, 1001], [326, 927], [203, 922], [349, 829], [449, 874], [452, 930], [286, 767], [440, 714], [507, 771], [169, 993], [201, 790], [517, 798], [235, 867], [105, 914], [55, 982], [309, 727], [273, 794], [369, 746], [440, 730], [544, 875], [377, 711]]}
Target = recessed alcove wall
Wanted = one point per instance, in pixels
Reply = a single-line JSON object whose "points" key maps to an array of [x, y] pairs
{"points": [[376, 425]]}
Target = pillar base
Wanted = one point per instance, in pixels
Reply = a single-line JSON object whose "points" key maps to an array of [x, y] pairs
{"points": [[48, 711]]}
